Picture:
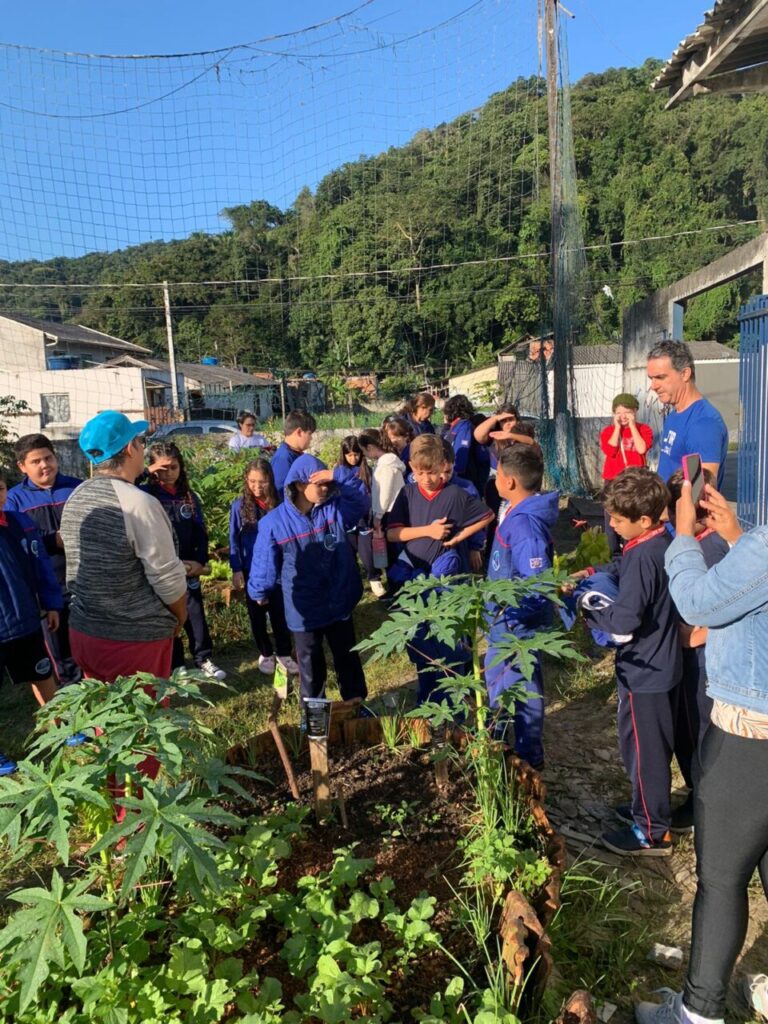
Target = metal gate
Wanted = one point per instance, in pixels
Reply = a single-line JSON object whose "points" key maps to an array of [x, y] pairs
{"points": [[752, 484]]}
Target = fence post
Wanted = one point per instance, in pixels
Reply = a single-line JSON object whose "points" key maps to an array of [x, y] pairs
{"points": [[752, 484], [171, 349]]}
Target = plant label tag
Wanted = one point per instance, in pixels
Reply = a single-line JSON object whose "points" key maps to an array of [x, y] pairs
{"points": [[318, 712], [281, 681]]}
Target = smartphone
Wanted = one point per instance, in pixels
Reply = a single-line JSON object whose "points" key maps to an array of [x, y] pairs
{"points": [[693, 472]]}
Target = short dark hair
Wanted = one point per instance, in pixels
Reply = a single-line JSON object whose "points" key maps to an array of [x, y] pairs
{"points": [[246, 414], [678, 353], [299, 419], [458, 407], [675, 486], [450, 454], [636, 492], [29, 443], [523, 463]]}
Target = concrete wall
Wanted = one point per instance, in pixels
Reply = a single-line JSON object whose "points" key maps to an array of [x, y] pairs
{"points": [[89, 392], [21, 347], [477, 385]]}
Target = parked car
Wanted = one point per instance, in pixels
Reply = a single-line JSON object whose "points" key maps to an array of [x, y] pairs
{"points": [[195, 427]]}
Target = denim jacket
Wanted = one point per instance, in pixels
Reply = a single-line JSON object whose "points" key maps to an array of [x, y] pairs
{"points": [[731, 599]]}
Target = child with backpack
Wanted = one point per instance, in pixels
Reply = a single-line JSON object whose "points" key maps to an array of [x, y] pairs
{"points": [[258, 499], [29, 593], [169, 484], [302, 549]]}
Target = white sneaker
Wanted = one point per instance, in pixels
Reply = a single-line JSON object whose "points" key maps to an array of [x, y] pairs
{"points": [[288, 664], [267, 665], [212, 671], [378, 589], [756, 993]]}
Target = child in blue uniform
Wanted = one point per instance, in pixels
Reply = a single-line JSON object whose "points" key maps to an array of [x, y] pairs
{"points": [[168, 483], [353, 467], [257, 500], [432, 520], [298, 428], [522, 547], [302, 547], [29, 592], [473, 461], [694, 706], [41, 495], [649, 666]]}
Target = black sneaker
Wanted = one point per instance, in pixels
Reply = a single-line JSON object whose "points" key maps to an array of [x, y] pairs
{"points": [[682, 817], [631, 842], [624, 811]]}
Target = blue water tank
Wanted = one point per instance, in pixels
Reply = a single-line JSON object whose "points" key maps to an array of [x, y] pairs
{"points": [[210, 361], [63, 362]]}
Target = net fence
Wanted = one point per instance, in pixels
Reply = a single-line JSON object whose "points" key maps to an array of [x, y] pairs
{"points": [[346, 200]]}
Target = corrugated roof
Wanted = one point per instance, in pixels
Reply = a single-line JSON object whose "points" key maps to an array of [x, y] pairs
{"points": [[714, 21], [74, 332], [208, 376]]}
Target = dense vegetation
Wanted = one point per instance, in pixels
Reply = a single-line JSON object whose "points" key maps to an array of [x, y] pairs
{"points": [[471, 190]]}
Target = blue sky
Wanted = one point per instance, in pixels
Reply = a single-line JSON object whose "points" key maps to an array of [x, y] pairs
{"points": [[100, 154]]}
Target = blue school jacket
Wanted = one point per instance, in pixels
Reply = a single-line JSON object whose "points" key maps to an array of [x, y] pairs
{"points": [[44, 506], [281, 462], [186, 516], [242, 536], [522, 547], [308, 555], [27, 582]]}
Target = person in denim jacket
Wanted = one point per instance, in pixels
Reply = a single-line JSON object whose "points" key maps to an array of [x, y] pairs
{"points": [[730, 807]]}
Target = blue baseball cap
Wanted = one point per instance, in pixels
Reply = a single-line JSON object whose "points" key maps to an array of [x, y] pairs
{"points": [[107, 434]]}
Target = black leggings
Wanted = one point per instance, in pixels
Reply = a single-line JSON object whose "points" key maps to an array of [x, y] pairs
{"points": [[361, 543], [258, 613], [731, 818]]}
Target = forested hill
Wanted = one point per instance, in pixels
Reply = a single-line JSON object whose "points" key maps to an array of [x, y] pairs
{"points": [[333, 278]]}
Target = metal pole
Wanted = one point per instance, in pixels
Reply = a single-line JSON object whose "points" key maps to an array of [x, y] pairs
{"points": [[560, 354], [171, 349]]}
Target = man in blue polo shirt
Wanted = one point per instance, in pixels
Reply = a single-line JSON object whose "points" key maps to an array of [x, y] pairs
{"points": [[41, 495], [695, 426]]}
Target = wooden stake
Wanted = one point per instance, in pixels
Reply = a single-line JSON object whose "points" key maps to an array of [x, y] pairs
{"points": [[277, 737], [342, 807], [318, 757]]}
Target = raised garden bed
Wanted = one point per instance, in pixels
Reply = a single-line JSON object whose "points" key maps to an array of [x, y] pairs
{"points": [[406, 811]]}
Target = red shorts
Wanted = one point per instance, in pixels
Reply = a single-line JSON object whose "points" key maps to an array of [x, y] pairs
{"points": [[108, 659]]}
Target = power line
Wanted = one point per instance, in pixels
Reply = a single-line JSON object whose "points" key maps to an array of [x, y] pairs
{"points": [[389, 272]]}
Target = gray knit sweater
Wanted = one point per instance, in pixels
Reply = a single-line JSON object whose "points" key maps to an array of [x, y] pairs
{"points": [[122, 566]]}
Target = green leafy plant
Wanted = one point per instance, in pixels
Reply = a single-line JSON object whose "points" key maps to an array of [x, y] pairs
{"points": [[592, 549]]}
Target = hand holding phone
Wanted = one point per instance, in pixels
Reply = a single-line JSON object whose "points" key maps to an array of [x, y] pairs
{"points": [[694, 474]]}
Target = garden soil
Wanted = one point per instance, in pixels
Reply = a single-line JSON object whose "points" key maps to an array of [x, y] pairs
{"points": [[417, 851]]}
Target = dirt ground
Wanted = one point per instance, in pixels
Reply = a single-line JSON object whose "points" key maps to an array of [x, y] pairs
{"points": [[585, 780]]}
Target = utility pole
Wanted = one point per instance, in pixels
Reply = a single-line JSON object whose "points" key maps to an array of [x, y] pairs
{"points": [[171, 349], [560, 354]]}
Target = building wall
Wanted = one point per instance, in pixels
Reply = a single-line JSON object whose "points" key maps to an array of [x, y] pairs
{"points": [[87, 392], [21, 347], [477, 385]]}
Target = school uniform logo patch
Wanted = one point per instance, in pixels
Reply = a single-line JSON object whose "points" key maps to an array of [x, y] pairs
{"points": [[33, 548], [536, 563], [43, 667], [496, 561], [186, 511], [329, 542]]}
